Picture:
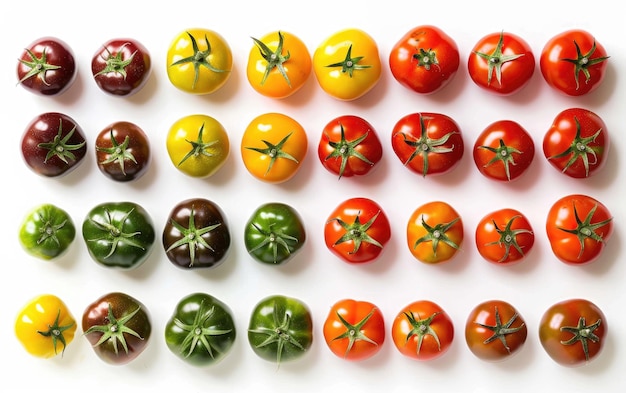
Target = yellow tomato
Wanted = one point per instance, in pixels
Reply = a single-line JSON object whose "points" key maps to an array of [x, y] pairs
{"points": [[45, 327], [347, 64], [199, 61], [273, 147], [278, 64], [197, 145]]}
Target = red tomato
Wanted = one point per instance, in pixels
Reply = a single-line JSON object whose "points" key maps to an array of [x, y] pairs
{"points": [[357, 230], [427, 143], [495, 330], [121, 67], [422, 330], [349, 146], [504, 150], [501, 63], [354, 329], [424, 60], [578, 228], [572, 331], [573, 62], [47, 66], [504, 236], [577, 143]]}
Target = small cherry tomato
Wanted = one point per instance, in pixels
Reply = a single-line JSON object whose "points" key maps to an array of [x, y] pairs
{"points": [[427, 143], [573, 62], [349, 146], [502, 63], [357, 230], [121, 67], [279, 64], [504, 236], [347, 64], [354, 329], [422, 330], [46, 67], [572, 332], [577, 143], [434, 232], [578, 228], [503, 151], [424, 60], [495, 330], [123, 151]]}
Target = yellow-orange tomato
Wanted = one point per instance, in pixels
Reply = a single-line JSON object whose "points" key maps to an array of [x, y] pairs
{"points": [[45, 326], [273, 147], [279, 64], [434, 232], [347, 64]]}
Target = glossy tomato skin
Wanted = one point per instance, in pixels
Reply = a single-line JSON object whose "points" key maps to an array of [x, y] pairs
{"points": [[196, 234], [422, 330], [53, 144], [425, 59], [47, 67], [577, 143], [357, 230], [434, 232], [121, 67], [428, 143], [504, 236], [502, 63], [573, 331], [495, 331], [123, 151], [47, 232], [198, 145], [273, 147], [45, 326], [503, 151], [354, 330], [349, 146], [347, 64], [573, 62], [578, 228], [118, 327], [199, 61], [279, 64]]}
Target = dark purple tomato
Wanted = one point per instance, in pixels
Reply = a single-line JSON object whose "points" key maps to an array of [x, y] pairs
{"points": [[123, 151], [121, 67], [46, 67]]}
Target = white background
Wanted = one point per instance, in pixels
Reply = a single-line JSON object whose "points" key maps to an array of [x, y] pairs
{"points": [[316, 276]]}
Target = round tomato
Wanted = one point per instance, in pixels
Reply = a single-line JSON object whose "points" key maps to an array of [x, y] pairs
{"points": [[424, 60], [198, 145], [347, 64], [504, 236], [572, 331], [357, 230], [199, 61], [123, 151], [577, 143], [495, 330], [422, 330], [504, 150], [47, 67], [434, 232], [502, 63], [273, 147], [427, 143], [47, 232], [279, 64], [121, 67], [578, 228], [349, 146], [573, 62], [354, 329]]}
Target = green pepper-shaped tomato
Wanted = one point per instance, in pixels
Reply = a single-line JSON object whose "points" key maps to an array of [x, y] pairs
{"points": [[201, 330], [274, 233], [119, 234], [280, 329], [47, 232]]}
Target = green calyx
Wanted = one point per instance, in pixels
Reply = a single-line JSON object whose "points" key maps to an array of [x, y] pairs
{"points": [[114, 330], [276, 241], [59, 146], [504, 154], [508, 238], [200, 58], [198, 147], [426, 58], [38, 66], [191, 236], [114, 234], [350, 64], [274, 59], [500, 331], [55, 332], [580, 150], [582, 333], [278, 335], [496, 59], [354, 333], [117, 152], [115, 63], [421, 328], [347, 149], [583, 61], [585, 229], [357, 232], [198, 333], [437, 234], [274, 151]]}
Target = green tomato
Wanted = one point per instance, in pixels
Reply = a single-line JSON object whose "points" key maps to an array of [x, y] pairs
{"points": [[119, 234], [274, 233], [47, 232], [280, 329], [201, 330]]}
